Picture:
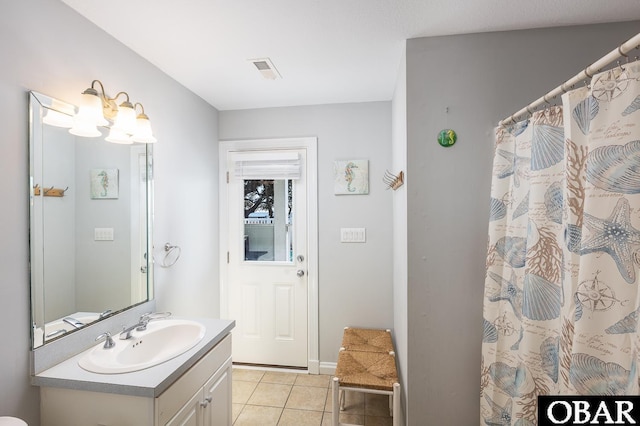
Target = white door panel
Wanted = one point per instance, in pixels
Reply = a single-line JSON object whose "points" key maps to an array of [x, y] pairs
{"points": [[275, 309], [267, 294]]}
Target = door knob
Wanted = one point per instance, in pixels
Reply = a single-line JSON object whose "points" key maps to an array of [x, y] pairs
{"points": [[300, 258], [300, 273]]}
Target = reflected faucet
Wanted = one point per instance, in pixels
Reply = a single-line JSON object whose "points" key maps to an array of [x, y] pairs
{"points": [[142, 324], [56, 333], [73, 322]]}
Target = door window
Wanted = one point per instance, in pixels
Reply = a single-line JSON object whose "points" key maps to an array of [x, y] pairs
{"points": [[268, 220]]}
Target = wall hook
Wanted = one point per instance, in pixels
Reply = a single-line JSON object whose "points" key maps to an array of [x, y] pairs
{"points": [[393, 181], [53, 192]]}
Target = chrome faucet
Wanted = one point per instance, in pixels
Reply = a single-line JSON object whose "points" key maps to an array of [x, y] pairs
{"points": [[108, 342], [142, 324], [73, 322]]}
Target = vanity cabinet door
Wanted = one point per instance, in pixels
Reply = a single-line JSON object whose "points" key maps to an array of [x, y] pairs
{"points": [[181, 392], [190, 414], [217, 392]]}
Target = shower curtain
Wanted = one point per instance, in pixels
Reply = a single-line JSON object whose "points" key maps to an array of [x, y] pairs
{"points": [[561, 301]]}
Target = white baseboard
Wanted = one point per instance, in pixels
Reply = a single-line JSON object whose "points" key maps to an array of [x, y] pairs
{"points": [[328, 368], [313, 366], [266, 368]]}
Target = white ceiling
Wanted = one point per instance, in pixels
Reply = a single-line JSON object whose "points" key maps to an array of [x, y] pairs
{"points": [[328, 51]]}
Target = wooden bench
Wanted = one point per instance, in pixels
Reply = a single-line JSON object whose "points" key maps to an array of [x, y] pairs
{"points": [[366, 363]]}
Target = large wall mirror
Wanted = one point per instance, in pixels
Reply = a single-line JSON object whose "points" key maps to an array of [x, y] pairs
{"points": [[90, 224]]}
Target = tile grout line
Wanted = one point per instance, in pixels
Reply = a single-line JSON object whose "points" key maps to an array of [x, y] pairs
{"points": [[291, 386]]}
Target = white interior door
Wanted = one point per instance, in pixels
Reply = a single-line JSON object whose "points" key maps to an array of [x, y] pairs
{"points": [[267, 274]]}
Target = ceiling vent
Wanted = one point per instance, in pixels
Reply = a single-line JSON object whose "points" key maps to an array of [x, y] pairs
{"points": [[266, 68]]}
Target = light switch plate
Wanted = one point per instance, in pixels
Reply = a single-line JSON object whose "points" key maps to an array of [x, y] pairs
{"points": [[103, 234], [353, 235]]}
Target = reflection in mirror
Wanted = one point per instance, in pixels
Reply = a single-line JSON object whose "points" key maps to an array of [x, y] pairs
{"points": [[90, 224], [268, 219]]}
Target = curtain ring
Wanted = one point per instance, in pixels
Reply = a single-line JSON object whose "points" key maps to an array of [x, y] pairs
{"points": [[528, 110], [621, 53], [586, 73]]}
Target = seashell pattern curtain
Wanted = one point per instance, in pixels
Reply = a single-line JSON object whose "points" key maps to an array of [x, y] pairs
{"points": [[562, 295]]}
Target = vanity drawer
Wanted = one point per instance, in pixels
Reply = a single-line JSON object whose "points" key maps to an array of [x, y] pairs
{"points": [[179, 393]]}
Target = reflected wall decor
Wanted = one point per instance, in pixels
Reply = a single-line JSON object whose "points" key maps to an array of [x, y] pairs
{"points": [[104, 184]]}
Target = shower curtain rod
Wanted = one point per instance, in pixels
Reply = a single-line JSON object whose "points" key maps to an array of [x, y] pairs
{"points": [[622, 50]]}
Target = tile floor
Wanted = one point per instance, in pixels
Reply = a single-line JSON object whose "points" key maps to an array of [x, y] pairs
{"points": [[271, 398]]}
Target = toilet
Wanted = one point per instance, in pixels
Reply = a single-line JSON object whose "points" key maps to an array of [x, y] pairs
{"points": [[11, 421]]}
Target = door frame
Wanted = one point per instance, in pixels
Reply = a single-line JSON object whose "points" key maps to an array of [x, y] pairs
{"points": [[139, 225], [311, 146]]}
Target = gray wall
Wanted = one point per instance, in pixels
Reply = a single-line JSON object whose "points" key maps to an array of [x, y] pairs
{"points": [[482, 78], [400, 265], [355, 280], [47, 47]]}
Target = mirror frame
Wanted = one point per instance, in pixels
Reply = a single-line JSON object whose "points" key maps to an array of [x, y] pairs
{"points": [[38, 105]]}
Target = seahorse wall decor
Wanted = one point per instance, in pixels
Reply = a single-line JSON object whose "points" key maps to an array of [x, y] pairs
{"points": [[351, 177]]}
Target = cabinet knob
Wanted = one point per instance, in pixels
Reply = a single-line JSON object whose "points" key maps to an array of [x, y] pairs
{"points": [[206, 402]]}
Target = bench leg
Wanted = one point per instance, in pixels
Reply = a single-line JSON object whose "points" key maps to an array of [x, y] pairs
{"points": [[396, 404], [342, 399], [335, 395]]}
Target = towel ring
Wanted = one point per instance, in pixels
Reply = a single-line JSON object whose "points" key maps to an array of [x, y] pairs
{"points": [[168, 249]]}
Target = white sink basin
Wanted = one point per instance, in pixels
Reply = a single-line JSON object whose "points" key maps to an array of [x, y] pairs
{"points": [[160, 342]]}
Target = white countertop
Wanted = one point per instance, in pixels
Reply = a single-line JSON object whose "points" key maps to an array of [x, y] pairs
{"points": [[150, 382]]}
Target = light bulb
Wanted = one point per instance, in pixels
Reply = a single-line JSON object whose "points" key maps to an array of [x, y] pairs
{"points": [[143, 132], [117, 135], [57, 119], [91, 107], [84, 128], [126, 118], [89, 115]]}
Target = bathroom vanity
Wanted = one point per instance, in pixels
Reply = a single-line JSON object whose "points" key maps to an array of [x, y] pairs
{"points": [[94, 280], [193, 388]]}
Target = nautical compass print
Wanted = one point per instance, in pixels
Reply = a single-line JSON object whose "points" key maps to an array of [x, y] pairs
{"points": [[504, 326], [596, 295], [609, 85]]}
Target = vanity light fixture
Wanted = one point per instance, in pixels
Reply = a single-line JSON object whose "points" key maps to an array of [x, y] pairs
{"points": [[59, 115], [97, 109]]}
